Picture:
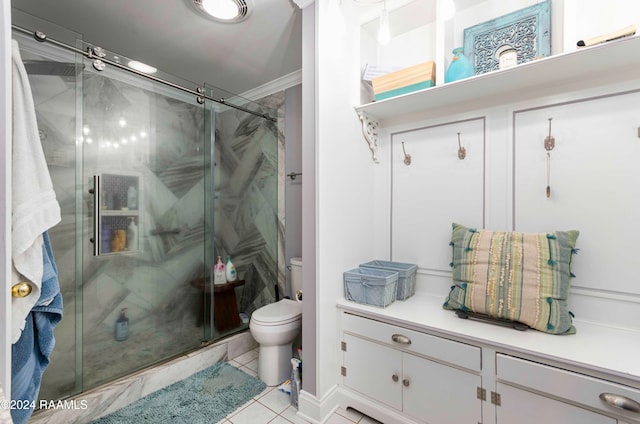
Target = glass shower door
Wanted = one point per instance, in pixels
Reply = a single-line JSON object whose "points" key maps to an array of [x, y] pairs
{"points": [[145, 162], [143, 189]]}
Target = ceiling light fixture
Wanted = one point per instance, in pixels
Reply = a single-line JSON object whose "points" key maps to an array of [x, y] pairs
{"points": [[224, 10], [384, 32]]}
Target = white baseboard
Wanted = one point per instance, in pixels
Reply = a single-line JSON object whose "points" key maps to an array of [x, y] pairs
{"points": [[319, 411]]}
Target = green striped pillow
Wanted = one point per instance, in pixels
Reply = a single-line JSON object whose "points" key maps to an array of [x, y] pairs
{"points": [[522, 277]]}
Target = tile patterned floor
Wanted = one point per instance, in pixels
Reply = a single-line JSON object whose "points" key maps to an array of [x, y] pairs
{"points": [[272, 406]]}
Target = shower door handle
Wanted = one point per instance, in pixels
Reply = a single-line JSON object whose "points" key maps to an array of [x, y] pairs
{"points": [[96, 215]]}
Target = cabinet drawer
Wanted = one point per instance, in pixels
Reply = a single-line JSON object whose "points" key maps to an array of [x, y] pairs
{"points": [[444, 350], [524, 407], [573, 387]]}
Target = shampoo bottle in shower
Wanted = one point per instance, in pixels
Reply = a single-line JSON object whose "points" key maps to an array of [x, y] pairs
{"points": [[231, 270], [132, 235], [122, 326], [219, 275], [132, 198]]}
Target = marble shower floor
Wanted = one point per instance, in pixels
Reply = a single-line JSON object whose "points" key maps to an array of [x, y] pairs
{"points": [[272, 406], [109, 360]]}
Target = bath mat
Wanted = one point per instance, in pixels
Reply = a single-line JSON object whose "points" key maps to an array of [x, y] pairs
{"points": [[206, 397]]}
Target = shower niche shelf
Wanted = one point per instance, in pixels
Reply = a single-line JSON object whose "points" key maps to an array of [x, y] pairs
{"points": [[117, 213]]}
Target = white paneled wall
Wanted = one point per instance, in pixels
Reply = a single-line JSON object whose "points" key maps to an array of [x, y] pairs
{"points": [[594, 178], [436, 189]]}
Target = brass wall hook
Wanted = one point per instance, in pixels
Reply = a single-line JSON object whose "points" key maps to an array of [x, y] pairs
{"points": [[462, 152], [549, 144], [407, 157], [549, 141]]}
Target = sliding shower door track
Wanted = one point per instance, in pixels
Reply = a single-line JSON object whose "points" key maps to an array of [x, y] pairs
{"points": [[96, 54]]}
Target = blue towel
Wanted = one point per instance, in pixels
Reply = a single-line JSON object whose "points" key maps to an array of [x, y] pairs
{"points": [[30, 354]]}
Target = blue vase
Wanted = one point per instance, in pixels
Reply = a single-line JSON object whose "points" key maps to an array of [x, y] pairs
{"points": [[459, 68]]}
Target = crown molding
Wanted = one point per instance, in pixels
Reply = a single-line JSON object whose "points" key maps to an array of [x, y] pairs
{"points": [[303, 3], [280, 84]]}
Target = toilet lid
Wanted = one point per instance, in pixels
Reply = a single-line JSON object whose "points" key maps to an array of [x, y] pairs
{"points": [[282, 311]]}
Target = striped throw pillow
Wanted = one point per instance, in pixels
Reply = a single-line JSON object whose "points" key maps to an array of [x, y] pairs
{"points": [[521, 277]]}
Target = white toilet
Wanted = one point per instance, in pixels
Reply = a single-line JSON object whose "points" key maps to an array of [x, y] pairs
{"points": [[275, 327]]}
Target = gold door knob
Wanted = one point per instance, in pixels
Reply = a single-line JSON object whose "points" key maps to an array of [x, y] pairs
{"points": [[21, 289]]}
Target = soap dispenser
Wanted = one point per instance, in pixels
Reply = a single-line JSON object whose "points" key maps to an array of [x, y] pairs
{"points": [[122, 326], [219, 275], [231, 271]]}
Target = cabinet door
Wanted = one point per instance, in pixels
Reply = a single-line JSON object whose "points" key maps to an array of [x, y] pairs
{"points": [[438, 394], [523, 407], [370, 370]]}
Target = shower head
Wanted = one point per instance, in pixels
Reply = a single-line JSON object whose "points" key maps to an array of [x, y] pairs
{"points": [[53, 68]]}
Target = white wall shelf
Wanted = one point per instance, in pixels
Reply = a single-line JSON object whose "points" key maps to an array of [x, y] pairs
{"points": [[543, 77]]}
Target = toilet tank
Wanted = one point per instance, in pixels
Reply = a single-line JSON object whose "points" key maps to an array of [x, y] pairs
{"points": [[296, 276]]}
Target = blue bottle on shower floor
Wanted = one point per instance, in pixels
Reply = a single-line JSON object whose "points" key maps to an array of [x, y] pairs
{"points": [[122, 326]]}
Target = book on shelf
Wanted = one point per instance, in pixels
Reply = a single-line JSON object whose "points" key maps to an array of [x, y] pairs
{"points": [[404, 81], [404, 90], [371, 71], [603, 38]]}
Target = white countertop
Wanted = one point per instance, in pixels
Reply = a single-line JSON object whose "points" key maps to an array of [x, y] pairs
{"points": [[601, 348]]}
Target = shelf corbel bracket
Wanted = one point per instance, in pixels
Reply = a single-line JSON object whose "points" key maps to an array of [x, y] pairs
{"points": [[370, 133]]}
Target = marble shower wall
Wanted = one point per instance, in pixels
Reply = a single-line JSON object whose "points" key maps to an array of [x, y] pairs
{"points": [[249, 201], [172, 160]]}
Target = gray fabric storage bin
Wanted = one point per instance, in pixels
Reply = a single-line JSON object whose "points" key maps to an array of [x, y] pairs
{"points": [[376, 287], [406, 276]]}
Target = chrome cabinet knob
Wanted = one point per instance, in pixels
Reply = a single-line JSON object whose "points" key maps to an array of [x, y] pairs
{"points": [[395, 378], [399, 338], [406, 382], [622, 402]]}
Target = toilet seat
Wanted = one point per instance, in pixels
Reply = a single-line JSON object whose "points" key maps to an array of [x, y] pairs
{"points": [[278, 313]]}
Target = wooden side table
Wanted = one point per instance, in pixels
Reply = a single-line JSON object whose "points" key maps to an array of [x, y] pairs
{"points": [[225, 305]]}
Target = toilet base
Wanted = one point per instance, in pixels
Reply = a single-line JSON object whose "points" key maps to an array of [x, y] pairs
{"points": [[274, 364]]}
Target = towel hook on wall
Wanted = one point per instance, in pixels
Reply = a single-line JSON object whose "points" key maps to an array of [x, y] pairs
{"points": [[549, 141], [549, 144], [407, 157], [462, 152]]}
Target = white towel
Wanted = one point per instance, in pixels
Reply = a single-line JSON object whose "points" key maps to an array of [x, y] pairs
{"points": [[35, 208]]}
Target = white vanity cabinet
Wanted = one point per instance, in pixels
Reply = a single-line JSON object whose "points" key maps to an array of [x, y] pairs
{"points": [[549, 394], [417, 363], [414, 373]]}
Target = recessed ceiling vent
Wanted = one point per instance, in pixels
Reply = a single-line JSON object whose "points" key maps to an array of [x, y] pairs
{"points": [[228, 11]]}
